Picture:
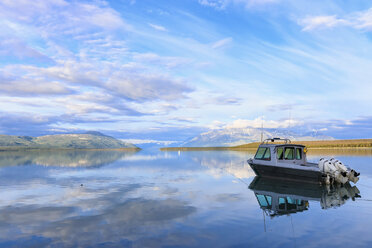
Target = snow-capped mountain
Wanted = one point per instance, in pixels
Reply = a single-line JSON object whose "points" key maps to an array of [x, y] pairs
{"points": [[240, 136]]}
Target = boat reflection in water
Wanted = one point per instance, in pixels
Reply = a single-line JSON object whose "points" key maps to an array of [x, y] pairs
{"points": [[282, 197]]}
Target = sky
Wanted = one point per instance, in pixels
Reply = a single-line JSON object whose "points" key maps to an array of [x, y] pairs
{"points": [[169, 70]]}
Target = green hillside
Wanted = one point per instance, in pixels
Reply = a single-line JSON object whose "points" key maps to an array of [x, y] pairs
{"points": [[91, 140]]}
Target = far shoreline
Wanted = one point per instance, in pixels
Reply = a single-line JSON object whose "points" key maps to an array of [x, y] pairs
{"points": [[321, 144]]}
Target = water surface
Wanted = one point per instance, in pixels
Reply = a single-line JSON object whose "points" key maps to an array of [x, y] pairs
{"points": [[171, 199]]}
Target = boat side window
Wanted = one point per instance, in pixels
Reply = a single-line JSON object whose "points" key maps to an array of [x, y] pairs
{"points": [[289, 153], [282, 203], [291, 203], [298, 153], [263, 153], [279, 153]]}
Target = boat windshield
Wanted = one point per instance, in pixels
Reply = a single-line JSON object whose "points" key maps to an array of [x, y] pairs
{"points": [[264, 200], [263, 153]]}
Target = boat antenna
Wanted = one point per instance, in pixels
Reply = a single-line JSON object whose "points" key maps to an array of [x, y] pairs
{"points": [[294, 237], [261, 128]]}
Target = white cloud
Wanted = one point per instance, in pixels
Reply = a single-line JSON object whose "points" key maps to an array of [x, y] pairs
{"points": [[222, 4], [214, 3], [224, 100], [280, 107], [118, 88], [311, 23], [31, 87], [184, 119], [83, 108], [257, 123], [222, 43], [358, 20], [100, 16], [216, 125], [364, 19], [252, 3], [61, 16], [157, 27], [147, 87], [83, 73], [27, 10], [167, 61], [349, 122], [14, 47]]}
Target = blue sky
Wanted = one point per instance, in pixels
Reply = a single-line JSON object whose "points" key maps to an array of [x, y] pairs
{"points": [[168, 70]]}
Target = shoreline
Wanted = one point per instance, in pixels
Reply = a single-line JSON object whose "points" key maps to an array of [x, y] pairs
{"points": [[321, 144], [175, 149]]}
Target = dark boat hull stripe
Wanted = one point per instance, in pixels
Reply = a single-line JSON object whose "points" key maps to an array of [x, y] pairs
{"points": [[288, 173]]}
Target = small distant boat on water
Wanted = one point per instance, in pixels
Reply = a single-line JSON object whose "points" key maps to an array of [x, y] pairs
{"points": [[287, 160]]}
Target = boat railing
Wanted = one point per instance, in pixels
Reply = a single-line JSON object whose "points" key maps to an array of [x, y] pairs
{"points": [[266, 141]]}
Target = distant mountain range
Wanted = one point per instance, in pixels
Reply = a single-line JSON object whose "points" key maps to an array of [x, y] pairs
{"points": [[89, 140], [239, 136]]}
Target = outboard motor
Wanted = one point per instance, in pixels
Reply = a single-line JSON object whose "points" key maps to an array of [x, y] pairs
{"points": [[328, 167], [351, 174], [329, 179], [339, 165], [338, 170], [321, 164]]}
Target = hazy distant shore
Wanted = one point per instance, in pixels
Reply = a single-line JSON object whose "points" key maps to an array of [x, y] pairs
{"points": [[88, 140], [321, 144]]}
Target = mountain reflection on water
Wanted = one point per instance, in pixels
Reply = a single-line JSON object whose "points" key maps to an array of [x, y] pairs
{"points": [[168, 199], [69, 158], [282, 197]]}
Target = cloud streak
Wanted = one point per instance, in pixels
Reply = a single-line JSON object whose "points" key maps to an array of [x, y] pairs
{"points": [[157, 27], [32, 87], [222, 43], [361, 20], [149, 87], [222, 4]]}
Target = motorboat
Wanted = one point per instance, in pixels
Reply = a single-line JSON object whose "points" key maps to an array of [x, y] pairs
{"points": [[287, 160], [278, 197]]}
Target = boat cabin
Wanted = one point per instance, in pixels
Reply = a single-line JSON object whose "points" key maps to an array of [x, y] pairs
{"points": [[285, 160], [273, 154]]}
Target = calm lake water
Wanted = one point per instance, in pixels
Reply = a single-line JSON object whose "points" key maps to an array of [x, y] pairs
{"points": [[171, 199]]}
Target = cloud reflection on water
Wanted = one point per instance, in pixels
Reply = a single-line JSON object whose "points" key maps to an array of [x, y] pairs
{"points": [[152, 200], [66, 226]]}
